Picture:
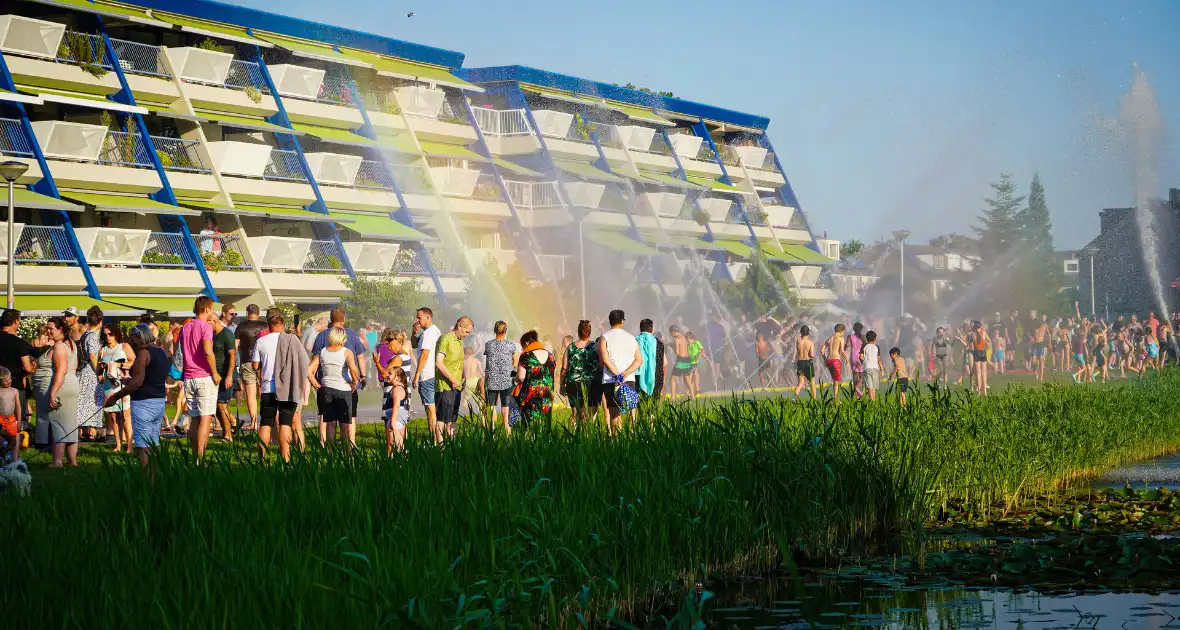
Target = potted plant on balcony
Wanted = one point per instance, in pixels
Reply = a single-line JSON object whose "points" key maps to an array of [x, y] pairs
{"points": [[76, 47], [701, 217], [707, 154], [253, 94], [584, 128], [161, 258], [757, 216], [209, 44], [486, 190]]}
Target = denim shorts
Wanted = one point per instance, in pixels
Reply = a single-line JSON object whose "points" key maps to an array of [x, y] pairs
{"points": [[146, 417], [426, 389]]}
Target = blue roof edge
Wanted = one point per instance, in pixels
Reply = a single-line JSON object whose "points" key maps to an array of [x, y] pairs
{"points": [[295, 27], [525, 74]]}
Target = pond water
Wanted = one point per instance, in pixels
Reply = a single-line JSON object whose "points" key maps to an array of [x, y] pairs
{"points": [[1162, 471]]}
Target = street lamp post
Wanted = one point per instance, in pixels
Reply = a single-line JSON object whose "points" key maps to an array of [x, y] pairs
{"points": [[901, 236], [1092, 252], [11, 170]]}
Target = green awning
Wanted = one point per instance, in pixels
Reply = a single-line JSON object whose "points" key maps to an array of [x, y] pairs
{"points": [[737, 248], [568, 97], [337, 136], [589, 171], [411, 70], [25, 198], [81, 99], [397, 143], [287, 213], [714, 184], [108, 9], [127, 203], [695, 243], [635, 112], [665, 179], [210, 28], [169, 112], [378, 226], [444, 150], [772, 252], [806, 254], [245, 122], [310, 49], [515, 168], [621, 243], [49, 305], [134, 305]]}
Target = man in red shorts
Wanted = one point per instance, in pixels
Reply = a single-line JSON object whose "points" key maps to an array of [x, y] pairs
{"points": [[835, 353]]}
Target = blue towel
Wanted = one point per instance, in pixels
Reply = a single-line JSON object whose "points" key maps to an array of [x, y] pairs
{"points": [[645, 378]]}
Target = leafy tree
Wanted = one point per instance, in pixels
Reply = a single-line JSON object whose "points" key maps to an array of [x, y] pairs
{"points": [[849, 249], [1037, 273], [954, 242], [387, 301], [998, 228], [764, 289], [1034, 223]]}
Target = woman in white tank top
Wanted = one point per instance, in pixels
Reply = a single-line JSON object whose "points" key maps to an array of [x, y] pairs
{"points": [[326, 373]]}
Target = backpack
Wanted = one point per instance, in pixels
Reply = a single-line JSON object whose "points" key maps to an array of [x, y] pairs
{"points": [[176, 372]]}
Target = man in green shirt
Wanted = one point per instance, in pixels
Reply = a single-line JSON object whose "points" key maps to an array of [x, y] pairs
{"points": [[448, 357], [225, 355]]}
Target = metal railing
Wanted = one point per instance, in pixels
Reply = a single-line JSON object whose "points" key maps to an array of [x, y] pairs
{"points": [[245, 74], [582, 133], [13, 140], [324, 257], [125, 149], [447, 114], [178, 154], [705, 153], [660, 145], [44, 245], [411, 178], [335, 89], [284, 166], [534, 194], [608, 135], [446, 260], [487, 188], [502, 122], [768, 163], [222, 252], [167, 249], [373, 174], [729, 157], [83, 49], [552, 266], [137, 58]]}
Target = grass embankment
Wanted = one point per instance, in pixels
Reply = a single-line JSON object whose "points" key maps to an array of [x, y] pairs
{"points": [[557, 529]]}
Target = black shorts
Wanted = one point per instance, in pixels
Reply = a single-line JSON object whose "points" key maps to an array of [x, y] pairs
{"points": [[903, 385], [498, 398], [271, 408], [805, 368], [447, 405], [584, 394], [980, 356], [225, 394], [608, 390], [336, 405]]}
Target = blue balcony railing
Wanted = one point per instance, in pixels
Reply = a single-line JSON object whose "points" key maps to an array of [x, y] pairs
{"points": [[13, 140], [44, 245], [284, 166], [222, 252], [324, 257], [125, 149], [137, 58], [245, 74], [167, 250], [335, 89], [83, 49], [412, 262], [179, 154]]}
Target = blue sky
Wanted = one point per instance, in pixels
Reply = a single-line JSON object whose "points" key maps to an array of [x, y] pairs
{"points": [[885, 115]]}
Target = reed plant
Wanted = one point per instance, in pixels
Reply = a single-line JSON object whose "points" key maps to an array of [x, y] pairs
{"points": [[566, 528]]}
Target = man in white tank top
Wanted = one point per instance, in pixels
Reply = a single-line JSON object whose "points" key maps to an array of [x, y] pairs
{"points": [[619, 352]]}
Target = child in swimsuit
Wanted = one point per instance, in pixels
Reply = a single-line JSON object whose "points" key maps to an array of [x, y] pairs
{"points": [[9, 413]]}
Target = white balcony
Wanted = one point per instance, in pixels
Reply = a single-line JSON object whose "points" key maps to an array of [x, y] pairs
{"points": [[584, 194], [113, 246], [552, 123], [279, 252], [804, 275], [26, 36], [70, 140], [17, 230], [716, 207], [248, 159], [200, 65], [750, 157], [686, 145], [334, 168], [450, 180], [297, 81], [665, 204], [420, 101], [636, 137], [778, 216], [369, 257]]}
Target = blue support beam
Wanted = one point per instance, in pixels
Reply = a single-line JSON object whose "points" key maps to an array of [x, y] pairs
{"points": [[169, 223], [700, 129], [46, 186], [291, 140], [787, 194], [680, 173], [402, 214]]}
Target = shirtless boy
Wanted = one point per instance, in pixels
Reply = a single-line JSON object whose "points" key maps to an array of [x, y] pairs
{"points": [[835, 354], [1040, 342], [804, 361]]}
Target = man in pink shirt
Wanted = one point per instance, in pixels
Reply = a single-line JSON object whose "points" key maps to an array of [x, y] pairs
{"points": [[200, 379]]}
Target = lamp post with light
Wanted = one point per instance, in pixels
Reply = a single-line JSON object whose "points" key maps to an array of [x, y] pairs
{"points": [[901, 236], [11, 170]]}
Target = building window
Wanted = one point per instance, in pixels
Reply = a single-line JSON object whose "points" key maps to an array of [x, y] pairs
{"points": [[939, 261], [1071, 266]]}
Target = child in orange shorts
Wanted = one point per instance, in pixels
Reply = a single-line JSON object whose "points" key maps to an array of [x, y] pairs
{"points": [[9, 413]]}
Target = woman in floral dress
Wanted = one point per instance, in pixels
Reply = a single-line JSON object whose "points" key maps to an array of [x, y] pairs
{"points": [[535, 372], [90, 396], [582, 374]]}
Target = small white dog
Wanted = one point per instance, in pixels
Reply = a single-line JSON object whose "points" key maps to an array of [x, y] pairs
{"points": [[15, 476]]}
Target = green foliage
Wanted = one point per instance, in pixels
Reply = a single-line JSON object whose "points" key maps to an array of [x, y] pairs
{"points": [[227, 259], [1038, 276], [78, 47], [757, 216], [557, 530], [162, 258], [106, 119], [701, 217], [453, 118], [289, 309], [647, 90], [210, 44], [29, 325], [764, 289], [998, 227], [850, 248], [387, 301], [253, 94], [584, 127]]}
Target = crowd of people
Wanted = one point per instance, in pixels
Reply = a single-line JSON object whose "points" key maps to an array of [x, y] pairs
{"points": [[90, 379]]}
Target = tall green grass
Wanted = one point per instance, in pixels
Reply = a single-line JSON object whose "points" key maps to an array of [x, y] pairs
{"points": [[563, 529]]}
